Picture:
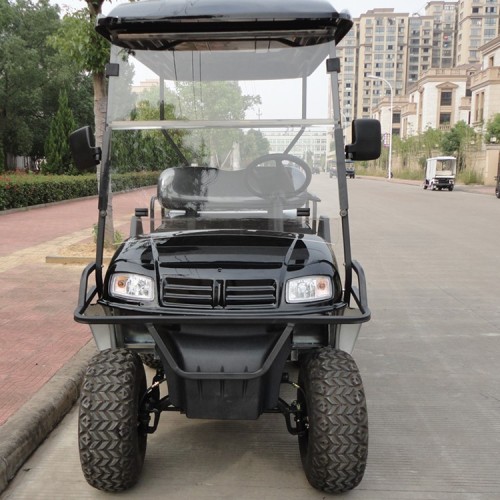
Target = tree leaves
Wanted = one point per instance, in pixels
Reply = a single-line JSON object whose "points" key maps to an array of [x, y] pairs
{"points": [[32, 74], [57, 151]]}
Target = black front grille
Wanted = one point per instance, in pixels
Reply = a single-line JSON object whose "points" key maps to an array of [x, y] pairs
{"points": [[219, 294], [250, 293]]}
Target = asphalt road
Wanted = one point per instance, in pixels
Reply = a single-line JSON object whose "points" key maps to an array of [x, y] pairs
{"points": [[429, 360]]}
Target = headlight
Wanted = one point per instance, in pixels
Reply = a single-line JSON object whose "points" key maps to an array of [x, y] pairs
{"points": [[132, 286], [308, 289]]}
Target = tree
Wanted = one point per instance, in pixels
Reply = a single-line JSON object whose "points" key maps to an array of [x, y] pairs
{"points": [[137, 150], [458, 142], [57, 151], [78, 40], [32, 74], [493, 129], [407, 149], [26, 71], [215, 101], [431, 140], [253, 145]]}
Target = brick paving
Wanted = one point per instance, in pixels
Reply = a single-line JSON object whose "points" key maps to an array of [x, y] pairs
{"points": [[37, 333]]}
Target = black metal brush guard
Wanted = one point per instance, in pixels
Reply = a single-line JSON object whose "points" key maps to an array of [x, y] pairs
{"points": [[239, 394]]}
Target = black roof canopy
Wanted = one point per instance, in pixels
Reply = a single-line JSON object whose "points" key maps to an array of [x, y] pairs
{"points": [[219, 24]]}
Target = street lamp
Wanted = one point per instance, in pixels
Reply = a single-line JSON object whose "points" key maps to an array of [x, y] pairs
{"points": [[391, 106]]}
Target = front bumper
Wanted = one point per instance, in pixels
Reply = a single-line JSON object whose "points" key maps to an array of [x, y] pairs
{"points": [[221, 365]]}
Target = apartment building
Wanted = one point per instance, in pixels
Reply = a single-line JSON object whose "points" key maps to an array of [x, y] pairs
{"points": [[398, 48], [440, 98], [485, 86], [478, 23], [348, 54], [383, 38], [485, 103]]}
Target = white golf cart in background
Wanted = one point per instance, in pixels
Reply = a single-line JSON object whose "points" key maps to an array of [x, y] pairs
{"points": [[440, 173]]}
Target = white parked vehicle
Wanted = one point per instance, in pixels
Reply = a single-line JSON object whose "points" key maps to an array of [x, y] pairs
{"points": [[440, 173]]}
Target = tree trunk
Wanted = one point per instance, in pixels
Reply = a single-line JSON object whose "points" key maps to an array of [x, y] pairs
{"points": [[100, 102]]}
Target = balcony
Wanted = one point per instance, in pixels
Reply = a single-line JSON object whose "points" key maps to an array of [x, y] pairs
{"points": [[486, 76]]}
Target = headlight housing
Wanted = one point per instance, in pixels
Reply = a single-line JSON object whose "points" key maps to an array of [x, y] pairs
{"points": [[309, 289], [132, 286]]}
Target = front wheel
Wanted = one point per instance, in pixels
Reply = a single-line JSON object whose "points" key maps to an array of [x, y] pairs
{"points": [[151, 361], [334, 442], [111, 438]]}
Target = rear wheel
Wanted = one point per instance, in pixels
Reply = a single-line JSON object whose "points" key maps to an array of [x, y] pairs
{"points": [[111, 439], [334, 446]]}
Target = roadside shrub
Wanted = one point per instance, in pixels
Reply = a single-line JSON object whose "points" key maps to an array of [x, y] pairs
{"points": [[22, 190], [371, 170], [132, 180], [413, 174], [470, 177]]}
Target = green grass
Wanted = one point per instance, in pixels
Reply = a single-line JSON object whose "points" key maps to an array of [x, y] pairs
{"points": [[410, 174], [470, 177], [371, 171], [413, 174]]}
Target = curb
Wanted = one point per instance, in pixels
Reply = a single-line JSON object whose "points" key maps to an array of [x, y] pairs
{"points": [[487, 189], [82, 260], [21, 435]]}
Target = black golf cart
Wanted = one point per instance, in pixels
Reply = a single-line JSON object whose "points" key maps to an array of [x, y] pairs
{"points": [[237, 280]]}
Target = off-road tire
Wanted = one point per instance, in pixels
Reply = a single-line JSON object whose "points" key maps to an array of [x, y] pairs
{"points": [[151, 361], [334, 447], [111, 441]]}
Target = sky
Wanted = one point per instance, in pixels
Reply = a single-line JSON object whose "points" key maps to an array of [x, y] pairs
{"points": [[360, 7]]}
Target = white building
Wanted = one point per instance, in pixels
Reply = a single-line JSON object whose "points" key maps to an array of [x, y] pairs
{"points": [[485, 86], [312, 143]]}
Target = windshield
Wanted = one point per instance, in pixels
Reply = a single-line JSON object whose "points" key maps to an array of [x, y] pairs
{"points": [[237, 138]]}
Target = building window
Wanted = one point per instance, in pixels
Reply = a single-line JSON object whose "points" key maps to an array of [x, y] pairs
{"points": [[446, 97], [444, 118]]}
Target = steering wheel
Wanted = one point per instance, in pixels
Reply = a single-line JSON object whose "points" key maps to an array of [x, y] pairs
{"points": [[278, 180]]}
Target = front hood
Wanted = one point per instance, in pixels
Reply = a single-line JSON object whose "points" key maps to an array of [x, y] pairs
{"points": [[224, 250], [225, 269], [218, 249]]}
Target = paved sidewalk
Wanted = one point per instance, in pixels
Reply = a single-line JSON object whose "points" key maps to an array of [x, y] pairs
{"points": [[43, 351]]}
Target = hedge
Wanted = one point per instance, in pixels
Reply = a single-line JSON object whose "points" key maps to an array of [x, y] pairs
{"points": [[18, 190]]}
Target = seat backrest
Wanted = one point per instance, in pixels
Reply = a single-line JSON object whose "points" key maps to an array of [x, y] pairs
{"points": [[205, 188]]}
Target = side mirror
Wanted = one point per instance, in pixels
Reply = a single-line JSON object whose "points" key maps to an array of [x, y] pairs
{"points": [[366, 140], [85, 154]]}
